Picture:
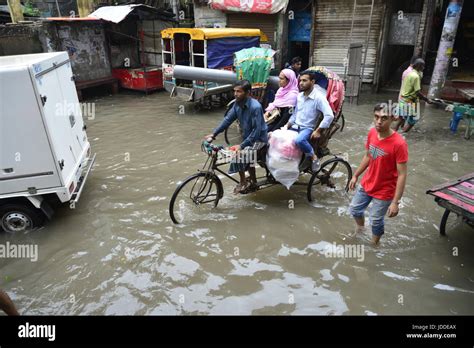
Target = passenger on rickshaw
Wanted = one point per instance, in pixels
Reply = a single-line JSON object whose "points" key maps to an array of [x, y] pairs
{"points": [[310, 102], [279, 111], [249, 112]]}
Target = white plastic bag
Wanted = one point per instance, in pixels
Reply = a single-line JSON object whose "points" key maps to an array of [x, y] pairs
{"points": [[283, 157]]}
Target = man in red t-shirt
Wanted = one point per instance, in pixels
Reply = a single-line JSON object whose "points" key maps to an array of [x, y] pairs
{"points": [[383, 183]]}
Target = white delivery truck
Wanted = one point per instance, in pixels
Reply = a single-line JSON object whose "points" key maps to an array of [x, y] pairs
{"points": [[45, 156]]}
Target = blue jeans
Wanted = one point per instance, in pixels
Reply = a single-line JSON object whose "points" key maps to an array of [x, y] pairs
{"points": [[359, 203], [302, 140]]}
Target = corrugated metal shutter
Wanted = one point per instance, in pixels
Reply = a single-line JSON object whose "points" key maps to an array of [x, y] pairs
{"points": [[332, 33], [265, 22]]}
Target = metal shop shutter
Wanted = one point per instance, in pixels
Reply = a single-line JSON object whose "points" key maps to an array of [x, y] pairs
{"points": [[265, 22], [332, 33]]}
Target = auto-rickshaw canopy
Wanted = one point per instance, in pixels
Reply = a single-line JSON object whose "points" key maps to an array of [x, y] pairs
{"points": [[213, 33]]}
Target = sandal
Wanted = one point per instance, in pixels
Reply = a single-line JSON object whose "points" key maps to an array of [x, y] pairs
{"points": [[238, 188], [248, 187]]}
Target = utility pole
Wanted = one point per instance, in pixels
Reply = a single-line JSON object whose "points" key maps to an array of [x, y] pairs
{"points": [[16, 11], [445, 49]]}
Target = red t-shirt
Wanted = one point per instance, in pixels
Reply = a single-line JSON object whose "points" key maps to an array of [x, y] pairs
{"points": [[380, 179]]}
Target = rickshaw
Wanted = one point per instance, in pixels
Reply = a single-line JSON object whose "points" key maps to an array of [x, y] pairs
{"points": [[211, 48], [200, 193]]}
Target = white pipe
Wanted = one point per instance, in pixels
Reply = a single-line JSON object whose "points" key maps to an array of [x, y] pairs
{"points": [[213, 75]]}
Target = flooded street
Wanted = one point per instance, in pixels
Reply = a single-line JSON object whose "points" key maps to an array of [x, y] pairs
{"points": [[118, 251]]}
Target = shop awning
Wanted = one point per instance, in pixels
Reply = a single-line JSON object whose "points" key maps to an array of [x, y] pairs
{"points": [[255, 6]]}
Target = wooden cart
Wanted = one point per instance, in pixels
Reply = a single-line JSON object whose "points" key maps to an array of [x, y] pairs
{"points": [[457, 197]]}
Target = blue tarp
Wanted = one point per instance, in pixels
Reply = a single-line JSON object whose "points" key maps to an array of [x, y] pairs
{"points": [[220, 52]]}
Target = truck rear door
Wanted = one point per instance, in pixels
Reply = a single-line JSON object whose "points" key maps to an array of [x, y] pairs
{"points": [[73, 110], [58, 123]]}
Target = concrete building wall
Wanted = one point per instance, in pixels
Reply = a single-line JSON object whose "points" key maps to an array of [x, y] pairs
{"points": [[84, 41], [20, 39], [205, 17], [86, 45]]}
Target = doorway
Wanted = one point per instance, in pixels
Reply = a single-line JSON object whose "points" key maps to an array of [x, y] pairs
{"points": [[299, 31]]}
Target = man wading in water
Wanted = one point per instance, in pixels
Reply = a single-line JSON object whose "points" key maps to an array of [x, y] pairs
{"points": [[409, 97], [383, 183]]}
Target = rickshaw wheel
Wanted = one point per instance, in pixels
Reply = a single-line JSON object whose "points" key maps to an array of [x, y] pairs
{"points": [[232, 134], [335, 173], [449, 221], [196, 196]]}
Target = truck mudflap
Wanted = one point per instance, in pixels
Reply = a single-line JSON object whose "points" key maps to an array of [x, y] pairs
{"points": [[80, 184]]}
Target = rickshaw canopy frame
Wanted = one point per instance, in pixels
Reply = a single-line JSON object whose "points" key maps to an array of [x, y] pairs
{"points": [[213, 33]]}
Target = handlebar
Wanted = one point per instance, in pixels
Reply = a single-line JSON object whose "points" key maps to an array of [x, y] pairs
{"points": [[208, 147]]}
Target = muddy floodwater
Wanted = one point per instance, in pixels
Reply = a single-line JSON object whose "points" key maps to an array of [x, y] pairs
{"points": [[118, 251]]}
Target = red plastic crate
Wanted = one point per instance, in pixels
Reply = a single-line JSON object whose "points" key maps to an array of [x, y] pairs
{"points": [[139, 80]]}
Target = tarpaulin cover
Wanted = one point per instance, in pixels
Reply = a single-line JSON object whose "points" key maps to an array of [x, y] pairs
{"points": [[255, 6], [220, 52], [254, 64]]}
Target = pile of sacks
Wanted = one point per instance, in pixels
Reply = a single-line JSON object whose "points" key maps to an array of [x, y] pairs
{"points": [[283, 157]]}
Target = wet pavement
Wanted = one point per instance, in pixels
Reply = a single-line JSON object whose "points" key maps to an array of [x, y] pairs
{"points": [[118, 252]]}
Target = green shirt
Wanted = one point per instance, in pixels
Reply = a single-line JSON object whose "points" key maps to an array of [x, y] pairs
{"points": [[411, 85]]}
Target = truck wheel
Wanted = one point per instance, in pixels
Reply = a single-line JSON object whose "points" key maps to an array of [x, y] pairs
{"points": [[15, 218]]}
